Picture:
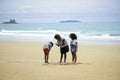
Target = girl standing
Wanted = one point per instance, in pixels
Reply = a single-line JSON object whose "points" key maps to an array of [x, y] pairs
{"points": [[74, 46]]}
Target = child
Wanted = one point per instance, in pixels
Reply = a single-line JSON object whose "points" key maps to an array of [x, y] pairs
{"points": [[74, 46], [46, 49], [62, 43]]}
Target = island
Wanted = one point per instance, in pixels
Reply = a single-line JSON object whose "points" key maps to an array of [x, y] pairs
{"points": [[11, 21], [69, 21]]}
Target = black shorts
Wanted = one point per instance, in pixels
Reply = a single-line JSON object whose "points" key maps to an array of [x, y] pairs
{"points": [[64, 50]]}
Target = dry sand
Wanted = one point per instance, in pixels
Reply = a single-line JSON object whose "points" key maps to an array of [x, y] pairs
{"points": [[25, 61]]}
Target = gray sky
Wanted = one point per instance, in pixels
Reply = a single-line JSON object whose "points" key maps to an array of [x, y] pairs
{"points": [[55, 10]]}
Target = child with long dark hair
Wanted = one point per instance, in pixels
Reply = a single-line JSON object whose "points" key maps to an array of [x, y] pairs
{"points": [[74, 46]]}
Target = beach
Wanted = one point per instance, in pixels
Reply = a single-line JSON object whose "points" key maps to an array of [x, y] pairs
{"points": [[27, 25], [24, 60]]}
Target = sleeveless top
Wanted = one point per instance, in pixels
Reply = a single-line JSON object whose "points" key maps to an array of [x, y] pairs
{"points": [[73, 45], [62, 42]]}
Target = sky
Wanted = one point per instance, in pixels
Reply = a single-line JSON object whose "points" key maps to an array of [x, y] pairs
{"points": [[57, 10]]}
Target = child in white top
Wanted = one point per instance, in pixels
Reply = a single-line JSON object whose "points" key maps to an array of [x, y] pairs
{"points": [[62, 43], [46, 48], [74, 46]]}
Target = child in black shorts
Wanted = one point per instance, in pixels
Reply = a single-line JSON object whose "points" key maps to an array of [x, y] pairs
{"points": [[62, 43]]}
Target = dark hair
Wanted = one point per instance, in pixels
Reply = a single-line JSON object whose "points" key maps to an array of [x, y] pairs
{"points": [[51, 43], [73, 36], [57, 36]]}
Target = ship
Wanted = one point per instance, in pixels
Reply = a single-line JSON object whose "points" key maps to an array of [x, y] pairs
{"points": [[11, 21]]}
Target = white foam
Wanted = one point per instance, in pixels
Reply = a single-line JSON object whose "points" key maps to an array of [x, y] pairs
{"points": [[49, 34]]}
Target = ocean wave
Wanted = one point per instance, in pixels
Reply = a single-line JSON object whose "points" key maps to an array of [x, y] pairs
{"points": [[49, 34], [27, 31]]}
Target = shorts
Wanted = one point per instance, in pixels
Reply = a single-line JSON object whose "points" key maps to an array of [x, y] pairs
{"points": [[46, 51], [64, 49], [73, 48]]}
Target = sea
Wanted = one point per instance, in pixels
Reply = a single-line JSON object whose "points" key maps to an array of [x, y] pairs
{"points": [[87, 32]]}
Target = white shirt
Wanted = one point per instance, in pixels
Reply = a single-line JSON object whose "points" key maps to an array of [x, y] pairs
{"points": [[73, 42], [73, 45], [62, 43], [48, 46]]}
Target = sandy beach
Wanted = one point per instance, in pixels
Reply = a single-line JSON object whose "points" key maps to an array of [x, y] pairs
{"points": [[20, 60]]}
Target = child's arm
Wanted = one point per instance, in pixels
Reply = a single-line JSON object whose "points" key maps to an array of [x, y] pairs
{"points": [[63, 42], [76, 46], [57, 44]]}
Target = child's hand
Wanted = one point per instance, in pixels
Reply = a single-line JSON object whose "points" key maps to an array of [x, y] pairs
{"points": [[57, 44]]}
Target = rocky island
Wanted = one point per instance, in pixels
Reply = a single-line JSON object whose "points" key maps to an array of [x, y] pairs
{"points": [[11, 21], [69, 21]]}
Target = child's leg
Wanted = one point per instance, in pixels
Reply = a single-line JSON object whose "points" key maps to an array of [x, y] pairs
{"points": [[72, 57], [65, 55], [75, 56], [46, 52], [61, 58], [47, 57]]}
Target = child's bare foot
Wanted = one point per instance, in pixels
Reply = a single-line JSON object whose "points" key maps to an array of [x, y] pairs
{"points": [[46, 61], [60, 62], [64, 61]]}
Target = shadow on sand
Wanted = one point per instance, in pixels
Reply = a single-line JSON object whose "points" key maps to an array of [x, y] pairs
{"points": [[68, 63]]}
